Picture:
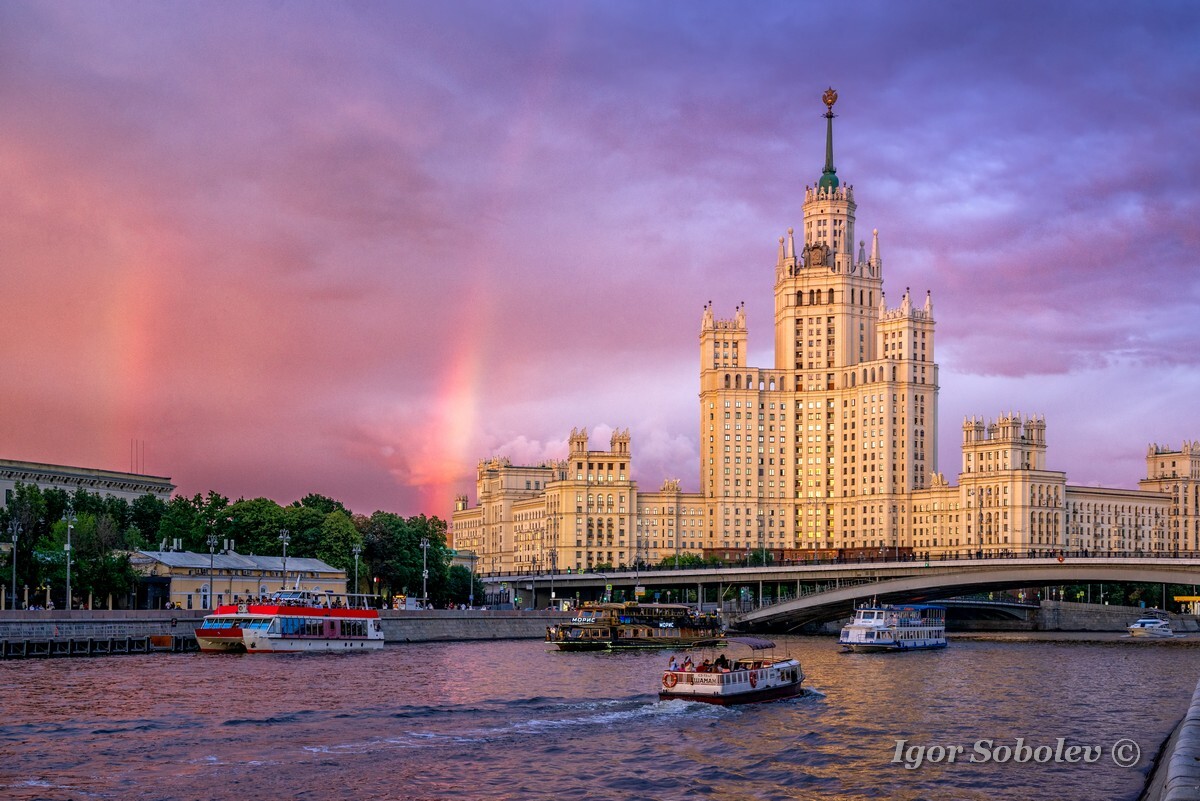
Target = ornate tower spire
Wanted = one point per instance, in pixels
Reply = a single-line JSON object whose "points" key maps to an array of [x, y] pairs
{"points": [[829, 179]]}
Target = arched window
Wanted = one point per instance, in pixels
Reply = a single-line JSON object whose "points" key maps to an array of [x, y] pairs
{"points": [[737, 382], [727, 381], [800, 298], [812, 295]]}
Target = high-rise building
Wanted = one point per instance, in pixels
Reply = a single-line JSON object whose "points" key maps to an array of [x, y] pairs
{"points": [[832, 450]]}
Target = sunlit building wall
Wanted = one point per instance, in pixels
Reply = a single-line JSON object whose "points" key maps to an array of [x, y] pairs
{"points": [[830, 451]]}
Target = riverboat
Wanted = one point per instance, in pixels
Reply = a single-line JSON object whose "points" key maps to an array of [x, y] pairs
{"points": [[913, 627], [596, 627], [1151, 627], [293, 621], [759, 677]]}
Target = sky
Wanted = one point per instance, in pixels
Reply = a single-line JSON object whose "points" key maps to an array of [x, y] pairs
{"points": [[353, 248]]}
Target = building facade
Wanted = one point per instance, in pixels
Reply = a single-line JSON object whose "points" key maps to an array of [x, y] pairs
{"points": [[831, 450], [129, 486], [202, 581]]}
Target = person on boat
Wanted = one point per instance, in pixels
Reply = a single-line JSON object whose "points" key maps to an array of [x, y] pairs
{"points": [[672, 665], [688, 666], [705, 666], [722, 663]]}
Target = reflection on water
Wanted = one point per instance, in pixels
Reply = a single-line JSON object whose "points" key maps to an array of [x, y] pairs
{"points": [[513, 720]]}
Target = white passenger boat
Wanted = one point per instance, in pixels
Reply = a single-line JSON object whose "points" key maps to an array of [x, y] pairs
{"points": [[895, 628], [293, 620], [1151, 627], [759, 677]]}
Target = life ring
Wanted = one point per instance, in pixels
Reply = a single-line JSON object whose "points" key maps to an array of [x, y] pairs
{"points": [[669, 679], [753, 679], [1060, 557]]}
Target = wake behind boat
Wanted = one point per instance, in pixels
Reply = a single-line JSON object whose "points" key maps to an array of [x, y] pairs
{"points": [[895, 628], [293, 620], [759, 677]]}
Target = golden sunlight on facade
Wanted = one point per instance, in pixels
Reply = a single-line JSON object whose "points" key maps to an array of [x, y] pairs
{"points": [[832, 452]]}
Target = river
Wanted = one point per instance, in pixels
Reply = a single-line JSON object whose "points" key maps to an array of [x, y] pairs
{"points": [[513, 720]]}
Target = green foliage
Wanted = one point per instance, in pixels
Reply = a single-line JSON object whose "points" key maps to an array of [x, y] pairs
{"points": [[684, 560], [338, 536], [323, 504], [145, 514], [458, 585], [391, 549], [106, 530], [254, 525]]}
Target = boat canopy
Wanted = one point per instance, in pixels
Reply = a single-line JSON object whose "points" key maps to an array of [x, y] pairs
{"points": [[756, 643]]}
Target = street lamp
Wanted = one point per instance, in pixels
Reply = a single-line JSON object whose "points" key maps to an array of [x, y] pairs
{"points": [[14, 528], [285, 537], [424, 570], [762, 537], [471, 590], [356, 550], [212, 551], [70, 519]]}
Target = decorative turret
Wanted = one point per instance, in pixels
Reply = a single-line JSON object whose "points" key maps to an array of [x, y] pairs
{"points": [[579, 440]]}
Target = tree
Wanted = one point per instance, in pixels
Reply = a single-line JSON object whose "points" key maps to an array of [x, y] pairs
{"points": [[181, 521], [145, 515], [338, 536], [458, 585], [304, 527], [323, 504], [683, 560], [392, 551], [256, 524]]}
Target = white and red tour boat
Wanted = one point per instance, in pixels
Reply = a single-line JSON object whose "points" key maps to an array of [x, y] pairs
{"points": [[759, 677], [293, 620]]}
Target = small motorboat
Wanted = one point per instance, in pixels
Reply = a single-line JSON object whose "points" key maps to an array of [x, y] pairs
{"points": [[759, 677], [1150, 627]]}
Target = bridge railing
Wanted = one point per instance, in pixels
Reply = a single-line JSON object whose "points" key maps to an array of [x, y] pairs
{"points": [[857, 559], [740, 605]]}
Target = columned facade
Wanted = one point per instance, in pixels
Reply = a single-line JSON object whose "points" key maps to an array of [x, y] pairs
{"points": [[831, 451]]}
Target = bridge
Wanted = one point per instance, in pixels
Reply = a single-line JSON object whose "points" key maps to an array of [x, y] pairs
{"points": [[786, 597]]}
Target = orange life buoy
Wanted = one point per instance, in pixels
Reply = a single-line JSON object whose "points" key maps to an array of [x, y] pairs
{"points": [[753, 679], [669, 679], [1060, 557]]}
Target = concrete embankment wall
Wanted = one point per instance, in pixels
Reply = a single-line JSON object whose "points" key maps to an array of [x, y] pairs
{"points": [[1176, 775], [1068, 616], [398, 626]]}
